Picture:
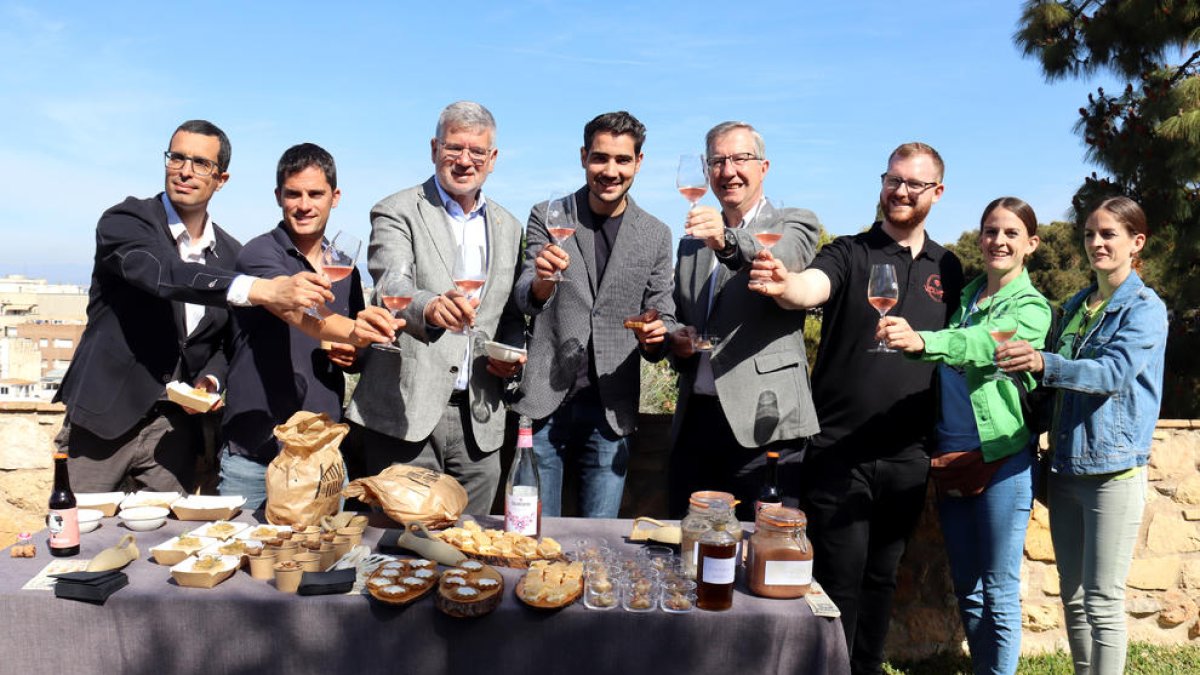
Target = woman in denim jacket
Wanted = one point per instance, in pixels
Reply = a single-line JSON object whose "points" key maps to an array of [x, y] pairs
{"points": [[1107, 367], [981, 415]]}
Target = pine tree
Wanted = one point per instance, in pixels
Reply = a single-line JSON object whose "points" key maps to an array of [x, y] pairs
{"points": [[1146, 138]]}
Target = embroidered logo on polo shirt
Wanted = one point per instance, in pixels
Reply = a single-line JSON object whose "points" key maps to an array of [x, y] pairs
{"points": [[933, 286]]}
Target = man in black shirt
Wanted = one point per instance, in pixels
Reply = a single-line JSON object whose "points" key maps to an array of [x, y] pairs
{"points": [[278, 366], [864, 478]]}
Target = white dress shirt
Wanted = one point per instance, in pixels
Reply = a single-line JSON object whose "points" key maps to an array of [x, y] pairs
{"points": [[469, 230]]}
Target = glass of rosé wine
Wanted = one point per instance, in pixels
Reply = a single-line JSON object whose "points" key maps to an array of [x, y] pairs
{"points": [[559, 225], [883, 293], [337, 262], [395, 293], [1002, 326], [691, 179]]}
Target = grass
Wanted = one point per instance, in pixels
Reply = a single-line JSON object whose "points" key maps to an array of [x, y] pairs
{"points": [[1143, 658]]}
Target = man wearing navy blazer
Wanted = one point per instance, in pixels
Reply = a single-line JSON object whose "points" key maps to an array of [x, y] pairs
{"points": [[582, 383], [161, 281]]}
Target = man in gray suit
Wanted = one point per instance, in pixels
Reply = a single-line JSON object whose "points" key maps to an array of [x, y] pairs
{"points": [[749, 394], [582, 384], [436, 404]]}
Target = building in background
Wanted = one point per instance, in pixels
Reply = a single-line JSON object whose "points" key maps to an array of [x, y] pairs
{"points": [[40, 327]]}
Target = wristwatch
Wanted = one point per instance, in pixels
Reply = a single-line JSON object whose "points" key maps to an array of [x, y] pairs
{"points": [[731, 245]]}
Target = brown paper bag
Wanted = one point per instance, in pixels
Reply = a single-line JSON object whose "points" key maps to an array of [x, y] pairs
{"points": [[409, 494], [304, 481]]}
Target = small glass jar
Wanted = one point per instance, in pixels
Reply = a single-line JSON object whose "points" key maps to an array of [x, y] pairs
{"points": [[781, 558], [716, 563], [701, 517]]}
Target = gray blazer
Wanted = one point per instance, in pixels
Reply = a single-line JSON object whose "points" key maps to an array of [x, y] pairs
{"points": [[759, 366], [404, 396], [638, 276]]}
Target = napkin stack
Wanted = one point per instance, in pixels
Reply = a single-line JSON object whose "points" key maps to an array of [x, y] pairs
{"points": [[93, 587]]}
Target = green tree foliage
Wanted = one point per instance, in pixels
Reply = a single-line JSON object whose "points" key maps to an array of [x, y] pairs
{"points": [[1146, 138]]}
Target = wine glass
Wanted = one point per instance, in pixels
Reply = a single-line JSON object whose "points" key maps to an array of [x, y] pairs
{"points": [[691, 179], [882, 292], [395, 293], [559, 225], [470, 271], [337, 262], [1002, 326]]}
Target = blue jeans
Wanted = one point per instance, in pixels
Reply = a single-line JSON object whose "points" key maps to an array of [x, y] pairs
{"points": [[578, 433], [245, 477], [985, 538]]}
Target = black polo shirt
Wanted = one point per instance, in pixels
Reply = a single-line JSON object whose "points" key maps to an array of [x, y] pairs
{"points": [[878, 405], [276, 370]]}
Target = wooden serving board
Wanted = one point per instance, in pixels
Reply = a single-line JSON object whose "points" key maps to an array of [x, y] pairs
{"points": [[520, 590], [482, 604]]}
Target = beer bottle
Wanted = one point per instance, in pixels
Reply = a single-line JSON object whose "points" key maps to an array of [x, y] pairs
{"points": [[770, 495], [63, 519]]}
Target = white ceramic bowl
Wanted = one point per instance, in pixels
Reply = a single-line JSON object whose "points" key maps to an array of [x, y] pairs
{"points": [[503, 352], [143, 518], [89, 519]]}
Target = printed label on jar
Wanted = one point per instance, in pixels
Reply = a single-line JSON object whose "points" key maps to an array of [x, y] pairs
{"points": [[520, 514], [788, 572], [719, 570], [64, 528]]}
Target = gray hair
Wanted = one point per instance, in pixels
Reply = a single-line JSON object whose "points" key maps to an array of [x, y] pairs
{"points": [[760, 148], [465, 115]]}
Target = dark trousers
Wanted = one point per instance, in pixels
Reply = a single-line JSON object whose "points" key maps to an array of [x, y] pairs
{"points": [[860, 515], [707, 456], [159, 453]]}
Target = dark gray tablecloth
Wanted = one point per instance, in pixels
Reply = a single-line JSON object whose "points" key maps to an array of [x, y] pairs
{"points": [[246, 626]]}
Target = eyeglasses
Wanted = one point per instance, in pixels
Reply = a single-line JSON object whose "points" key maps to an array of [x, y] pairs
{"points": [[915, 187], [200, 165], [454, 151], [716, 162]]}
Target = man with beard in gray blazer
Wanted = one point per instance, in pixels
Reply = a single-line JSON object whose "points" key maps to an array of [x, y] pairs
{"points": [[748, 395], [436, 403], [582, 384]]}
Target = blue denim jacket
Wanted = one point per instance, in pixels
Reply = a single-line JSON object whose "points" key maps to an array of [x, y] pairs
{"points": [[1111, 391]]}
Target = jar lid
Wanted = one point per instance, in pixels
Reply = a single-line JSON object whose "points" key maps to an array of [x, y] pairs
{"points": [[783, 516], [700, 499]]}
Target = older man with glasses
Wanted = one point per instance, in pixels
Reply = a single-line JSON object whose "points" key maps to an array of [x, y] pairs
{"points": [[436, 402], [157, 312], [863, 481], [743, 384]]}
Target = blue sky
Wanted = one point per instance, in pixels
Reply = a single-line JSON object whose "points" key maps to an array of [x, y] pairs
{"points": [[92, 91]]}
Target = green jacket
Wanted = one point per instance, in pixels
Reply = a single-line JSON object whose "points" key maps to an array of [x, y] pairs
{"points": [[996, 403]]}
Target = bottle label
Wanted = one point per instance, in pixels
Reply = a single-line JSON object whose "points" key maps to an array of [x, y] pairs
{"points": [[520, 513], [64, 528], [719, 570], [788, 572]]}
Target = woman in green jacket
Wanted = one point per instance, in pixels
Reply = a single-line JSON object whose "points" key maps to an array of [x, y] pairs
{"points": [[981, 418]]}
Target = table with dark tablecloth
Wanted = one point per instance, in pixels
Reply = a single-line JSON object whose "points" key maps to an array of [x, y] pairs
{"points": [[244, 625]]}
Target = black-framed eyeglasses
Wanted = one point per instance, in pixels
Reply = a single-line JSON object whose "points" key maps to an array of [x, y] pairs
{"points": [[200, 165], [454, 151], [738, 160], [915, 187]]}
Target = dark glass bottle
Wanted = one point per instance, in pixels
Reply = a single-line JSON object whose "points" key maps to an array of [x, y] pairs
{"points": [[770, 495], [63, 518]]}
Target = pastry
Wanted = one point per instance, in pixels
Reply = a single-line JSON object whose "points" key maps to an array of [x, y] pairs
{"points": [[473, 592]]}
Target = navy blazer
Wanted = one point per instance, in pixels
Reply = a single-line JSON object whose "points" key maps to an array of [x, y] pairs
{"points": [[136, 341]]}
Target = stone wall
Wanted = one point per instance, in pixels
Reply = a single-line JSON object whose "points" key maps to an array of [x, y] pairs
{"points": [[1163, 585], [1164, 582], [27, 431]]}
